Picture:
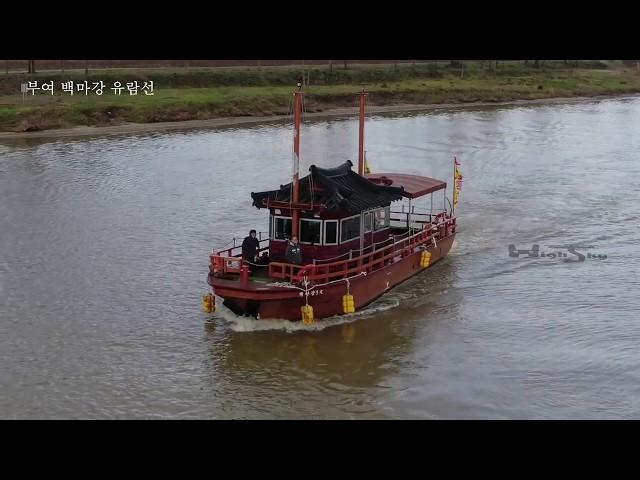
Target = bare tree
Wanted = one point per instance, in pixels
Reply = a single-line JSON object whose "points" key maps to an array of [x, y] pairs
{"points": [[331, 65], [345, 64]]}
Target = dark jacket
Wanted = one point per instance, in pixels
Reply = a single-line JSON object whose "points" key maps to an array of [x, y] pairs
{"points": [[250, 248], [293, 254]]}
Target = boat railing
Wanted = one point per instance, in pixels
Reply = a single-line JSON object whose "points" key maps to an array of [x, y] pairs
{"points": [[372, 257], [328, 260], [229, 260], [401, 236], [364, 263], [236, 239], [420, 218], [373, 246], [382, 242], [223, 264], [402, 246], [351, 252], [236, 249]]}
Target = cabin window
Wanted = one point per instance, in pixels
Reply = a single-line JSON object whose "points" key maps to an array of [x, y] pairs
{"points": [[349, 229], [310, 230], [367, 221], [381, 218], [330, 232], [282, 228]]}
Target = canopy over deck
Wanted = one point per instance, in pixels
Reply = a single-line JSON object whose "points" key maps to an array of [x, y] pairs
{"points": [[414, 185], [338, 188]]}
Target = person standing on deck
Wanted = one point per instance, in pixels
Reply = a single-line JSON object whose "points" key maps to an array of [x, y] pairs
{"points": [[293, 253], [250, 247]]}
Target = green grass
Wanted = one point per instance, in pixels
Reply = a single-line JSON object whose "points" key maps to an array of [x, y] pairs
{"points": [[210, 93]]}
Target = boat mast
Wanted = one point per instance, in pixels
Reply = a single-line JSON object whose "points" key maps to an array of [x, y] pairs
{"points": [[363, 96], [296, 160]]}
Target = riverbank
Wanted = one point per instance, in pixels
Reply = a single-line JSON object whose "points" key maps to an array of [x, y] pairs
{"points": [[245, 121], [202, 99]]}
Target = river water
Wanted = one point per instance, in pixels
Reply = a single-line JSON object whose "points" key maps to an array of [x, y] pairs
{"points": [[103, 261]]}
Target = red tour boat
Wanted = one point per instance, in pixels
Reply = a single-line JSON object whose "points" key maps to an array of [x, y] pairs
{"points": [[354, 246]]}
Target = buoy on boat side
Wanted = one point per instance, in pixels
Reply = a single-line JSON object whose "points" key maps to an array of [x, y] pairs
{"points": [[348, 304], [307, 314], [425, 259], [209, 303]]}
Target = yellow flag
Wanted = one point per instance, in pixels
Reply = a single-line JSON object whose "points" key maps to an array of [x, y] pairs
{"points": [[457, 182], [366, 164]]}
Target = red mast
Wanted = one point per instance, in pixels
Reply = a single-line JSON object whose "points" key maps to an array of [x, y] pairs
{"points": [[363, 96], [296, 160]]}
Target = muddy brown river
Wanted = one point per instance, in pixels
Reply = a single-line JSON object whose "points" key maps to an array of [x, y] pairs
{"points": [[104, 246]]}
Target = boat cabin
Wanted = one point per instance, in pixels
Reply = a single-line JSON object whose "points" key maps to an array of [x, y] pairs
{"points": [[339, 212]]}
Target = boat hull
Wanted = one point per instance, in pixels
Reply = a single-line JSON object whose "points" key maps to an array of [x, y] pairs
{"points": [[271, 301]]}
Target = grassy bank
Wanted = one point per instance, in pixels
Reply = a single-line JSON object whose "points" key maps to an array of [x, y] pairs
{"points": [[210, 93]]}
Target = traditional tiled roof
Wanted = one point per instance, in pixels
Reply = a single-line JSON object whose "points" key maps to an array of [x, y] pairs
{"points": [[338, 188]]}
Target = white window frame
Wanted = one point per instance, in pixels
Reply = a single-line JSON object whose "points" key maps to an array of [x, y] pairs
{"points": [[274, 228], [324, 232], [387, 218], [364, 221], [340, 235], [300, 230]]}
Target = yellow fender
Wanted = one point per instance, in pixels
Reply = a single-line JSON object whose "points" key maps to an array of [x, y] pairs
{"points": [[425, 259], [348, 303], [307, 314]]}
